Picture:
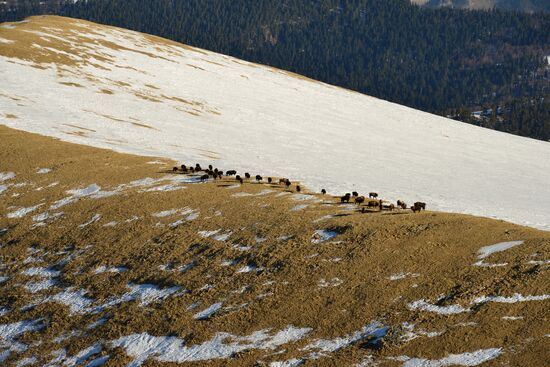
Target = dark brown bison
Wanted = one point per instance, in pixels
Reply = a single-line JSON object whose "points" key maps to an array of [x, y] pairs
{"points": [[288, 183], [247, 175], [184, 168], [359, 200], [298, 188], [238, 177], [191, 169], [269, 179], [204, 177], [198, 167], [373, 203], [282, 181], [210, 167], [345, 198], [231, 172], [355, 194], [416, 208], [373, 195], [420, 205], [259, 178], [175, 169], [323, 191]]}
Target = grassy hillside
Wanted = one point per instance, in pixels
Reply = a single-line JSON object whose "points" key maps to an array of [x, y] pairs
{"points": [[112, 258]]}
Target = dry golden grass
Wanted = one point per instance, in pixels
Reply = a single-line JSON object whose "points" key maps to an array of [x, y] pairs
{"points": [[436, 250]]}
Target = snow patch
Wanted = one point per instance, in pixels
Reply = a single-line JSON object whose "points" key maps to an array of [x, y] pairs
{"points": [[322, 235], [40, 286], [21, 212], [41, 272], [208, 312], [501, 246], [4, 176], [374, 330], [512, 299], [334, 282], [222, 237], [111, 269], [94, 219], [222, 346], [464, 359], [77, 301], [10, 333], [422, 305], [289, 363], [399, 276], [299, 207]]}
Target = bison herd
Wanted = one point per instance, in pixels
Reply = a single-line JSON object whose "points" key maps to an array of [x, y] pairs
{"points": [[372, 203]]}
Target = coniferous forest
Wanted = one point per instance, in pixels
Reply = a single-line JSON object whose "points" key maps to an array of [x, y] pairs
{"points": [[447, 61]]}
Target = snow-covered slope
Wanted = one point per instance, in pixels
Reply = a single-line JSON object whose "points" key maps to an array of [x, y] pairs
{"points": [[130, 92]]}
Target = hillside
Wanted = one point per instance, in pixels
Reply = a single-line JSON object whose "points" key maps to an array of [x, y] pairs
{"points": [[446, 61], [514, 5], [122, 90], [111, 259]]}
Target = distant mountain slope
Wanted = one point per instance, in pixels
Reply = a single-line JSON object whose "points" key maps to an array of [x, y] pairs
{"points": [[516, 5], [122, 90], [446, 61]]}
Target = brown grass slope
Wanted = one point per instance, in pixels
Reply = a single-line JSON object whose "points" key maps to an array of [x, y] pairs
{"points": [[334, 287]]}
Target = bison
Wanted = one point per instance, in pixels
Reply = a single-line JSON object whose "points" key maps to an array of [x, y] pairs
{"points": [[247, 175], [259, 178], [420, 205], [269, 179], [373, 203], [184, 168], [175, 169], [373, 195], [323, 191], [345, 198], [231, 172], [204, 177], [359, 200], [298, 188], [416, 208], [288, 183], [355, 194]]}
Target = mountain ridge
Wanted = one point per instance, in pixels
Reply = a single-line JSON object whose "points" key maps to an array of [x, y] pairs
{"points": [[512, 5]]}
